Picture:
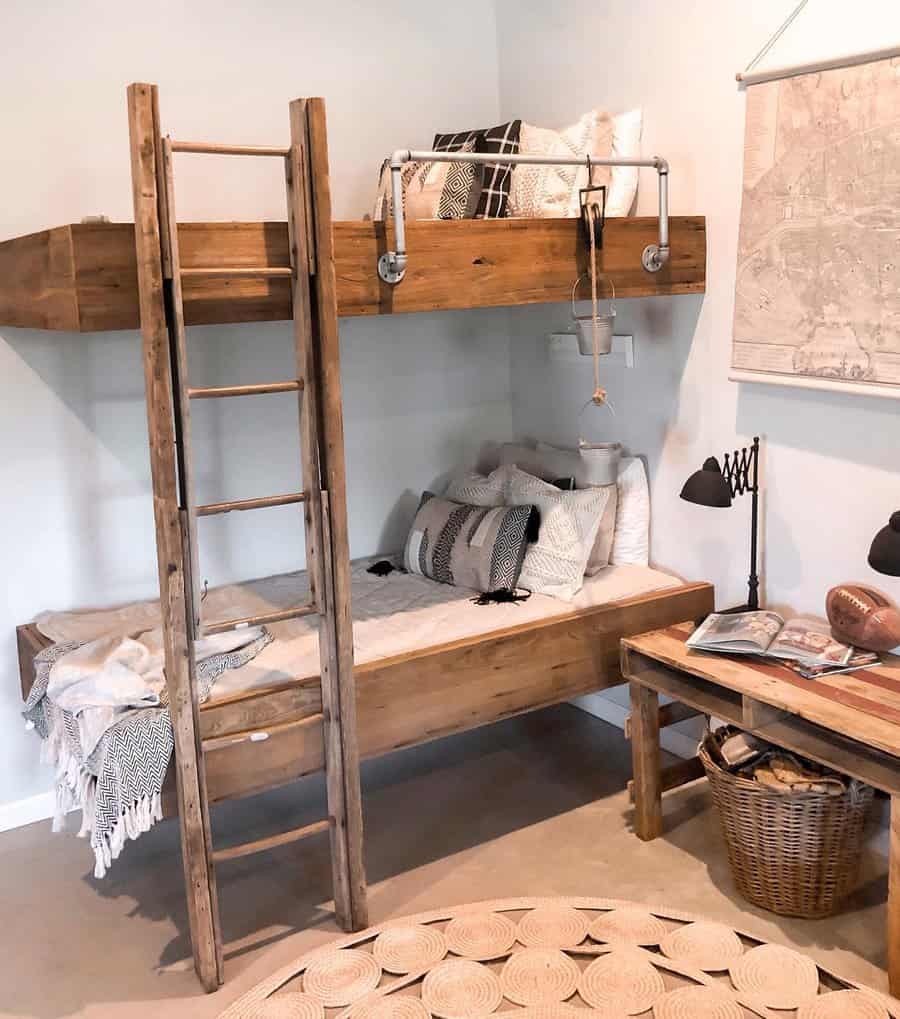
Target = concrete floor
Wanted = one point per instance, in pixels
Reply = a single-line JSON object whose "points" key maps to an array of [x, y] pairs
{"points": [[531, 806]]}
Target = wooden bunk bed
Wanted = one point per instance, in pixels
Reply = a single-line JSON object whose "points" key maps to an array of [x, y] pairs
{"points": [[115, 276]]}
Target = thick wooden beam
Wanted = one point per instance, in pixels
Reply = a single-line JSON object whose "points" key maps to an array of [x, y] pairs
{"points": [[83, 277], [143, 120]]}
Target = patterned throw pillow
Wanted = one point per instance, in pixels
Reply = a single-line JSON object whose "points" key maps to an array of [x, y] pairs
{"points": [[478, 489], [552, 191], [479, 547], [491, 181], [556, 563]]}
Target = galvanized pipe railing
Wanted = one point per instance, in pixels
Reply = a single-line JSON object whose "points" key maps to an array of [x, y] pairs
{"points": [[392, 264]]}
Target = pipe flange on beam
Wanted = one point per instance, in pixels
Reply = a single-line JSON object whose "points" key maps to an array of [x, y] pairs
{"points": [[389, 268], [653, 257]]}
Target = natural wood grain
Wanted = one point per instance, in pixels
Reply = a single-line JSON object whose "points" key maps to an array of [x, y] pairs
{"points": [[800, 700], [38, 288], [251, 389], [647, 792], [271, 842], [756, 713], [337, 679], [263, 619], [29, 642], [820, 743], [675, 775], [669, 714], [413, 698], [83, 276], [241, 505], [893, 904], [174, 593]]}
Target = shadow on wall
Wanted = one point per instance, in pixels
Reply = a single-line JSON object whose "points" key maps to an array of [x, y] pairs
{"points": [[549, 396], [86, 435]]}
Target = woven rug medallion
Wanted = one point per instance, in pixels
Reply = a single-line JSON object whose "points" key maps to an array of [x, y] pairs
{"points": [[556, 959]]}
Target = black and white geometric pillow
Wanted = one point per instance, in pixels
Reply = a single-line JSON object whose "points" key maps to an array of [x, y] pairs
{"points": [[489, 193]]}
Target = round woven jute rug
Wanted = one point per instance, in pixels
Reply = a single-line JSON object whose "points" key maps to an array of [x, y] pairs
{"points": [[576, 958]]}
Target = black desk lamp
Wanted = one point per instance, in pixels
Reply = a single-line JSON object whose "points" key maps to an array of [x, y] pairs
{"points": [[713, 486], [884, 555]]}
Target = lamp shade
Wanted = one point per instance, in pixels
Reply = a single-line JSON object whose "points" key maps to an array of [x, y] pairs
{"points": [[708, 486], [884, 555]]}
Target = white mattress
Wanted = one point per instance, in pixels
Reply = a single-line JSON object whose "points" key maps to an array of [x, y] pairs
{"points": [[391, 615]]}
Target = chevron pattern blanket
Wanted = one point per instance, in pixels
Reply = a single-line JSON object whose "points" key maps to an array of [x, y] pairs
{"points": [[118, 784]]}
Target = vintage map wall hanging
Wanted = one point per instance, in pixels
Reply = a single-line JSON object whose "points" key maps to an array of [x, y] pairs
{"points": [[817, 291]]}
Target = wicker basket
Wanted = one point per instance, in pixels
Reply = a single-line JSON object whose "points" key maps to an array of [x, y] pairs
{"points": [[796, 854]]}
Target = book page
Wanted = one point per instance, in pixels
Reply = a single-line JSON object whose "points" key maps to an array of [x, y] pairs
{"points": [[809, 640], [747, 632]]}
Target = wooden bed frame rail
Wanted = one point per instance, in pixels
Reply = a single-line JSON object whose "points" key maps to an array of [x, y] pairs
{"points": [[419, 696]]}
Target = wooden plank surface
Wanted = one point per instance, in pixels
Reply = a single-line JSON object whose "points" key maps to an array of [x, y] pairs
{"points": [[37, 282], [824, 745], [84, 277], [805, 700], [424, 695]]}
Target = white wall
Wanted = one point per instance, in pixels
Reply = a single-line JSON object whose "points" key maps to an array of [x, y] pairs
{"points": [[76, 524], [831, 461]]}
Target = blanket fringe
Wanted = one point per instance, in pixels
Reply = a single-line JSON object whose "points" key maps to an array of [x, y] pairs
{"points": [[138, 818]]}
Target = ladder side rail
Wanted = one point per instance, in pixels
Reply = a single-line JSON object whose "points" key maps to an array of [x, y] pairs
{"points": [[308, 130], [174, 301], [203, 914]]}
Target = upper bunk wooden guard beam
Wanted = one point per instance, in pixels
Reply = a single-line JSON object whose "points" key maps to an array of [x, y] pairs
{"points": [[82, 277]]}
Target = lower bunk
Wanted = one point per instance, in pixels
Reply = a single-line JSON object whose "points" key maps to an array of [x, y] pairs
{"points": [[430, 662]]}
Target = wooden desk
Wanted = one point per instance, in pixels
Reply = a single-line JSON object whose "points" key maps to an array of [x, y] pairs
{"points": [[850, 723]]}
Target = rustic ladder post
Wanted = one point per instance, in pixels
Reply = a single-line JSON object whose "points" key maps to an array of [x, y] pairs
{"points": [[175, 585], [312, 243]]}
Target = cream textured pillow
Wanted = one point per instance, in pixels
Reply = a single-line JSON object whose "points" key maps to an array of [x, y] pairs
{"points": [[602, 550], [549, 191], [556, 562], [631, 544], [626, 144], [478, 489]]}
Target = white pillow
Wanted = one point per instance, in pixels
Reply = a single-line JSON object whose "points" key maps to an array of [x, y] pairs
{"points": [[626, 144], [556, 562], [549, 191], [475, 489], [631, 543], [545, 462]]}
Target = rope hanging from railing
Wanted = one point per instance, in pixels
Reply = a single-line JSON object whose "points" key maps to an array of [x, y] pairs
{"points": [[599, 396]]}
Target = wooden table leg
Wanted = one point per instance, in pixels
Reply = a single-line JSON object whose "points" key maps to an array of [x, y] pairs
{"points": [[893, 904], [645, 762]]}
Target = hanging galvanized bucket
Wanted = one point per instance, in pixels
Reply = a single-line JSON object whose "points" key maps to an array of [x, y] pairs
{"points": [[585, 323]]}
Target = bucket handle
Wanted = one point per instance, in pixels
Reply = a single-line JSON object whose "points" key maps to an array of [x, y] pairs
{"points": [[612, 287]]}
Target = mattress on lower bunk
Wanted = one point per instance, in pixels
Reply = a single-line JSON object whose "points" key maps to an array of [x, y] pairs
{"points": [[392, 615]]}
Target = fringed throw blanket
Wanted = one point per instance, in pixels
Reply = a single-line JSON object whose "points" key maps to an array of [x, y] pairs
{"points": [[102, 711]]}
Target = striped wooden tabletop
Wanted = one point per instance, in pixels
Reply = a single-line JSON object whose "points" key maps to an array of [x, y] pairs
{"points": [[863, 705]]}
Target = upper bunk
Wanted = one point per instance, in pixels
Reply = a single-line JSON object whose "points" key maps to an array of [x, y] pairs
{"points": [[82, 277]]}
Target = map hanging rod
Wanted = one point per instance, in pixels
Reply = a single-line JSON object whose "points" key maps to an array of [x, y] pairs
{"points": [[745, 78]]}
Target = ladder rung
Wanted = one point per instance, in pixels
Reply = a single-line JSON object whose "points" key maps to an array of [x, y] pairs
{"points": [[272, 842], [296, 612], [212, 149], [256, 389], [238, 272], [212, 508]]}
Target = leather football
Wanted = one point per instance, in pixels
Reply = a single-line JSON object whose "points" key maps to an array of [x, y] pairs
{"points": [[863, 616]]}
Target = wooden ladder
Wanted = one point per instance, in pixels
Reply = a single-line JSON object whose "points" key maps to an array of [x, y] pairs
{"points": [[323, 497]]}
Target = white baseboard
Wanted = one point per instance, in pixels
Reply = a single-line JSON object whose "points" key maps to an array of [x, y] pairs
{"points": [[678, 743], [18, 813]]}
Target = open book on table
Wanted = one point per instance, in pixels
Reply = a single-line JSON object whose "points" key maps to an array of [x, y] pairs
{"points": [[804, 642]]}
